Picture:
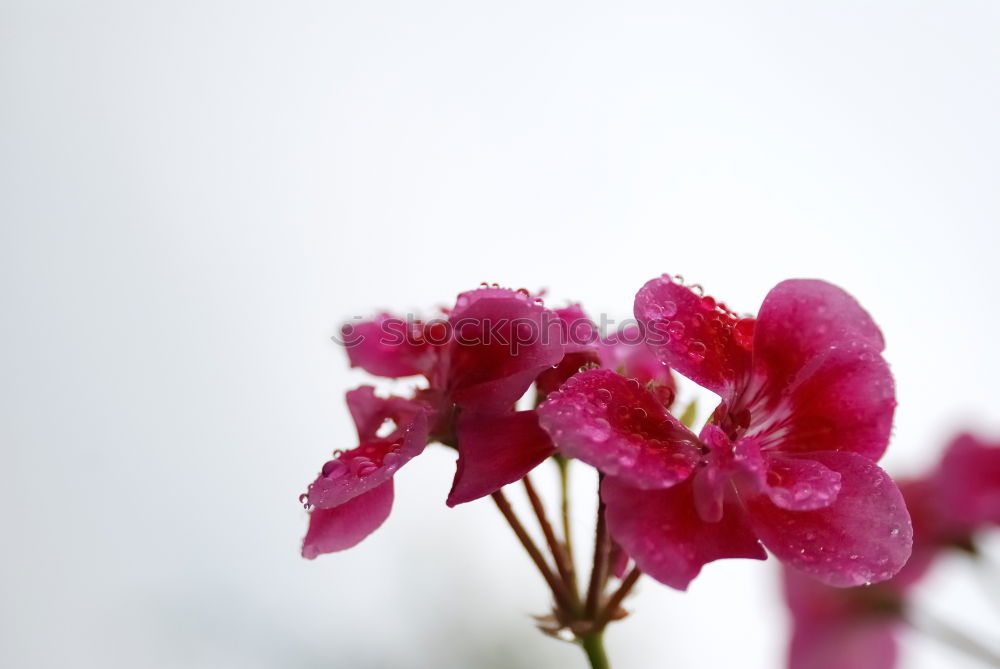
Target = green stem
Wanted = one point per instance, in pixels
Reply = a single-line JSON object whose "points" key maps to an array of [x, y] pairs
{"points": [[593, 646]]}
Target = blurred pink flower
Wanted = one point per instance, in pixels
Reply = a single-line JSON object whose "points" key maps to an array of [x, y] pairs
{"points": [[834, 628]]}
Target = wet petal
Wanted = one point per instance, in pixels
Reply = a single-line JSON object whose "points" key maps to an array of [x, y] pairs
{"points": [[694, 335], [663, 533], [626, 351], [494, 450], [344, 526], [791, 482], [843, 399], [616, 425], [388, 346], [865, 536], [368, 466], [371, 412], [501, 340], [802, 318]]}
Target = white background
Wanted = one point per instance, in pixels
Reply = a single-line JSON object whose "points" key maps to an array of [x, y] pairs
{"points": [[193, 195]]}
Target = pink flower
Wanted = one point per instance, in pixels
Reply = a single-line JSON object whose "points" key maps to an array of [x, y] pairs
{"points": [[836, 628], [477, 364], [833, 627], [787, 459]]}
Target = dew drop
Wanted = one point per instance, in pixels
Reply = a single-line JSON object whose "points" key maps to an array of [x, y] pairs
{"points": [[362, 466], [675, 329], [603, 396], [743, 333], [668, 309], [696, 351], [391, 459], [334, 469], [708, 303]]}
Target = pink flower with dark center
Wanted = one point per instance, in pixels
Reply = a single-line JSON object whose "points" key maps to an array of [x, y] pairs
{"points": [[788, 457]]}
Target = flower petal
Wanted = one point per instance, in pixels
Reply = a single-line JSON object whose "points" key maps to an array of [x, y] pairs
{"points": [[666, 538], [794, 483], [370, 412], [368, 466], [843, 399], [501, 340], [494, 450], [626, 350], [693, 334], [864, 537], [860, 644], [802, 318], [388, 346], [616, 425], [969, 482], [344, 526]]}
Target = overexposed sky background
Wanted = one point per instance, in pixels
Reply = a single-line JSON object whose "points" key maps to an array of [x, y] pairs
{"points": [[193, 196]]}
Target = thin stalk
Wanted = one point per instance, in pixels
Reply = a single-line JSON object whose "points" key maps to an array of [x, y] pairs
{"points": [[557, 587], [617, 598], [563, 464], [593, 646], [599, 572], [558, 552]]}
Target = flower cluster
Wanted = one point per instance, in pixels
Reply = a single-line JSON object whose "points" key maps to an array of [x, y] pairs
{"points": [[786, 462], [950, 505]]}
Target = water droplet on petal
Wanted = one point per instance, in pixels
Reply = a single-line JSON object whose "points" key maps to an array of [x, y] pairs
{"points": [[362, 466], [696, 351], [743, 333], [334, 469], [603, 396]]}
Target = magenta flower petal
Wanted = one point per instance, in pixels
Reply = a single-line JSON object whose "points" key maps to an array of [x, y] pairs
{"points": [[501, 340], [387, 346], [864, 537], [371, 412], [664, 535], [494, 450], [799, 484], [968, 479], [619, 427], [579, 331], [344, 526], [366, 467], [802, 318], [693, 334], [626, 351], [861, 644], [844, 399]]}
